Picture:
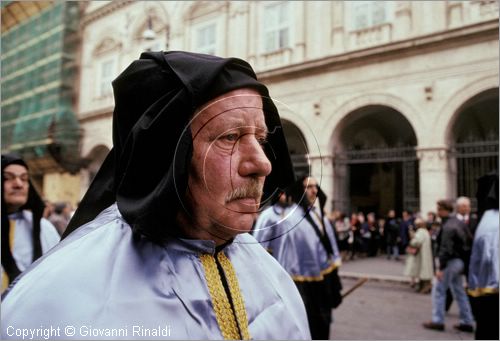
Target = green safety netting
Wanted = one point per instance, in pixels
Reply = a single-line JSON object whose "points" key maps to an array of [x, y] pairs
{"points": [[38, 72]]}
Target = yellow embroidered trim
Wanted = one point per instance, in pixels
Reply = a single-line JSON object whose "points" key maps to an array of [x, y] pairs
{"points": [[223, 312], [234, 288], [12, 229], [482, 291], [330, 268]]}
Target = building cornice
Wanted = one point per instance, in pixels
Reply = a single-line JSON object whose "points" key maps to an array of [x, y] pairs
{"points": [[96, 115], [484, 31], [104, 11]]}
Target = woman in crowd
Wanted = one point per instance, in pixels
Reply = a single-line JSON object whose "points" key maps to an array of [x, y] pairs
{"points": [[419, 261]]}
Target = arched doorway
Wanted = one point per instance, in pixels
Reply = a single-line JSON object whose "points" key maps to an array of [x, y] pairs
{"points": [[475, 141], [94, 161], [375, 162], [297, 147]]}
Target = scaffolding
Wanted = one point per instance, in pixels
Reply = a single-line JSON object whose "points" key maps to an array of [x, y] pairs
{"points": [[38, 88]]}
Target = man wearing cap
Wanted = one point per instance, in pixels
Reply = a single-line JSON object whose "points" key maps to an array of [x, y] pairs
{"points": [[159, 245], [25, 234]]}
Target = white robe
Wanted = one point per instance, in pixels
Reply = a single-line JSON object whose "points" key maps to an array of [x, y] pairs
{"points": [[102, 283], [23, 239]]}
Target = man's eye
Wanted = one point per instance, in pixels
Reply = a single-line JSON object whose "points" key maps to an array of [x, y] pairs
{"points": [[231, 137], [262, 140]]}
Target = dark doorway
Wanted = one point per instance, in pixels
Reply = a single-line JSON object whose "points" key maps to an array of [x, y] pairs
{"points": [[375, 164], [376, 187], [475, 142]]}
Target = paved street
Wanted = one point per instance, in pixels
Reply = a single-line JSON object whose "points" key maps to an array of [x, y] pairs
{"points": [[385, 308]]}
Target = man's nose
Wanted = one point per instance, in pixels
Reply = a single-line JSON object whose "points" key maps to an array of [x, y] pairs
{"points": [[18, 182], [253, 160]]}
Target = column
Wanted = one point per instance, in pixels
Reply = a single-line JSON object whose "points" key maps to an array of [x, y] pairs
{"points": [[436, 177], [299, 9]]}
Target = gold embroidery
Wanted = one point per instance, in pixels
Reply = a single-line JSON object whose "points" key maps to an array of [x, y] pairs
{"points": [[223, 312], [482, 291], [330, 268], [234, 288]]}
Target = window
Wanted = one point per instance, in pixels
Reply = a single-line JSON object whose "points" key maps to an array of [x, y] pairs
{"points": [[276, 26], [370, 13], [107, 72], [205, 38]]}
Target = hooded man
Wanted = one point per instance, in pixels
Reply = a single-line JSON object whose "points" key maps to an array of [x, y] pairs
{"points": [[309, 253], [25, 234], [159, 246], [484, 268]]}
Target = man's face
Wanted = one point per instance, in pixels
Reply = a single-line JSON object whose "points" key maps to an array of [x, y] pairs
{"points": [[282, 199], [463, 207], [229, 165], [15, 187], [442, 213], [311, 188]]}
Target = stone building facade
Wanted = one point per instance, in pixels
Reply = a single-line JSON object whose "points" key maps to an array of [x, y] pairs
{"points": [[390, 104]]}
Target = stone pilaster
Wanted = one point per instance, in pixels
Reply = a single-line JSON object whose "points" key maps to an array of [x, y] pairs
{"points": [[436, 177]]}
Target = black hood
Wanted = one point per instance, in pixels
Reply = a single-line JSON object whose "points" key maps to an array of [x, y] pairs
{"points": [[155, 98], [298, 194], [487, 193]]}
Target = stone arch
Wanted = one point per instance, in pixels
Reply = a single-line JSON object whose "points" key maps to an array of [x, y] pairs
{"points": [[310, 138], [444, 124], [92, 141], [336, 120], [94, 160], [474, 119], [375, 160], [97, 154], [472, 140]]}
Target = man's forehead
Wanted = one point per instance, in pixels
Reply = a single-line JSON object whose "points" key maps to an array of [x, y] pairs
{"points": [[310, 181], [240, 107], [239, 98], [16, 168]]}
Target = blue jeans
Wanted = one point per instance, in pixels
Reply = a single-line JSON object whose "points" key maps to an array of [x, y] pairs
{"points": [[394, 249], [452, 278]]}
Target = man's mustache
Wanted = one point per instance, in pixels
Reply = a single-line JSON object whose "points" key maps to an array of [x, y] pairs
{"points": [[253, 190]]}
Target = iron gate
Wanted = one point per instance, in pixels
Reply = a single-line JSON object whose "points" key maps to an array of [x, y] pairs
{"points": [[407, 156], [473, 159]]}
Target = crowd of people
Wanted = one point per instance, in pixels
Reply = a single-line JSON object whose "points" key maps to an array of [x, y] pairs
{"points": [[366, 235], [175, 246]]}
